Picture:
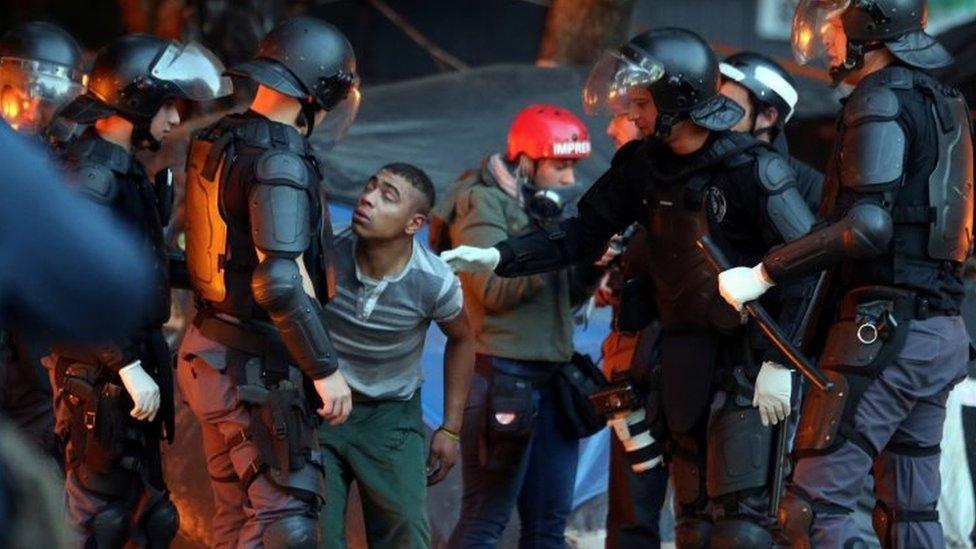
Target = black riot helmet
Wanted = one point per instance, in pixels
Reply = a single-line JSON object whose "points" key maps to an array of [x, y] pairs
{"points": [[768, 84], [898, 25], [41, 70], [678, 68], [312, 61], [136, 74]]}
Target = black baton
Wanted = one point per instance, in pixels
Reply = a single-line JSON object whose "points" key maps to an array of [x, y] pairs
{"points": [[767, 324]]}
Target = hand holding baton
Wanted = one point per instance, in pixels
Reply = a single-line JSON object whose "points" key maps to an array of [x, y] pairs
{"points": [[720, 263]]}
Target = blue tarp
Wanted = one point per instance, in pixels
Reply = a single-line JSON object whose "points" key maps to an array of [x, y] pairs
{"points": [[591, 474]]}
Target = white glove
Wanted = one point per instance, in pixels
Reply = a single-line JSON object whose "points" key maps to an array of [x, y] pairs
{"points": [[774, 384], [741, 285], [469, 259], [142, 389]]}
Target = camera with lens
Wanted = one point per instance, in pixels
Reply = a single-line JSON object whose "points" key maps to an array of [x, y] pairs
{"points": [[624, 412]]}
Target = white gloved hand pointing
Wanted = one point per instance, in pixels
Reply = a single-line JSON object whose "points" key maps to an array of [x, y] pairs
{"points": [[741, 285], [469, 259], [774, 386], [142, 389]]}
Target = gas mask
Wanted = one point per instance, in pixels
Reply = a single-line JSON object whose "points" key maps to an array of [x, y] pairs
{"points": [[548, 204]]}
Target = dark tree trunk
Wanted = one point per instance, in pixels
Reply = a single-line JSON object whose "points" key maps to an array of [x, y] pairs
{"points": [[577, 31]]}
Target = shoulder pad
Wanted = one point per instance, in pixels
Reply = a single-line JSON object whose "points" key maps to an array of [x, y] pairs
{"points": [[871, 103], [731, 149], [873, 155], [774, 172], [96, 181], [276, 167]]}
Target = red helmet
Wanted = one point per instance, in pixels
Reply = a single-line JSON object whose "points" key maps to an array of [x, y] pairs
{"points": [[546, 131]]}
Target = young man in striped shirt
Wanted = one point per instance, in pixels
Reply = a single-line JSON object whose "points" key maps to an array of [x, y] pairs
{"points": [[388, 290]]}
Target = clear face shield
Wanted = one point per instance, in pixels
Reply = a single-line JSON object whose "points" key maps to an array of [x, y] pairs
{"points": [[194, 70], [611, 78], [818, 34], [339, 118], [31, 91]]}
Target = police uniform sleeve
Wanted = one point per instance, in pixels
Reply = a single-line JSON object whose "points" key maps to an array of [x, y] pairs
{"points": [[610, 205], [872, 167], [278, 203]]}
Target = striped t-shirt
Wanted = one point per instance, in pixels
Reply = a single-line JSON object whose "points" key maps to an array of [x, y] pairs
{"points": [[378, 327]]}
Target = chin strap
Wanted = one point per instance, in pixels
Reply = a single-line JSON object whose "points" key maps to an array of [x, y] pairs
{"points": [[665, 122], [854, 60]]}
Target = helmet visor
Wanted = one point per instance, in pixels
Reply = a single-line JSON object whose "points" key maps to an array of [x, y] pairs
{"points": [[31, 91], [339, 118], [41, 79], [613, 76], [194, 70], [817, 29]]}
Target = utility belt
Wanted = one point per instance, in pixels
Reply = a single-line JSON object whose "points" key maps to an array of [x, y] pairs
{"points": [[252, 337], [871, 327], [870, 331], [274, 392], [111, 453]]}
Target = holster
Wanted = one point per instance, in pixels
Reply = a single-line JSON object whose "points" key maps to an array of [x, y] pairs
{"points": [[869, 332], [274, 392], [509, 419], [110, 453]]}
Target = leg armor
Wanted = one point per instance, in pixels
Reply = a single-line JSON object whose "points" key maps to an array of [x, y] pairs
{"points": [[693, 525], [110, 527], [739, 533], [294, 532], [795, 516], [739, 449], [161, 524], [692, 532], [906, 483]]}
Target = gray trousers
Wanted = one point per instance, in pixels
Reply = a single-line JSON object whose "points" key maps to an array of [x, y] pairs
{"points": [[903, 408]]}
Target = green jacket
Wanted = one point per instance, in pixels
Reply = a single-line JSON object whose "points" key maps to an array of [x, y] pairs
{"points": [[524, 318]]}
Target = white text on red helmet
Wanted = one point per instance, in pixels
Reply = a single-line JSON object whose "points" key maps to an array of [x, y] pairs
{"points": [[562, 148]]}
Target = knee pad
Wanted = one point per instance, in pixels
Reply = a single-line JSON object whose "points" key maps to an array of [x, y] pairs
{"points": [[739, 449], [795, 516], [688, 474], [739, 533], [883, 519], [294, 532], [110, 527], [692, 533], [161, 524]]}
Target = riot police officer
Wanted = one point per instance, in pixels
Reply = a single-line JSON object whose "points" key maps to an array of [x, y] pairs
{"points": [[690, 177], [768, 94], [114, 400], [899, 194], [258, 241], [41, 70]]}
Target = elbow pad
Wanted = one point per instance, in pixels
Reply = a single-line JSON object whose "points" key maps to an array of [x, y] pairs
{"points": [[865, 232], [277, 288]]}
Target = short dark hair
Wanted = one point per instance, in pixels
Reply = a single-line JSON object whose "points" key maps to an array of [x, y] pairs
{"points": [[418, 179]]}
